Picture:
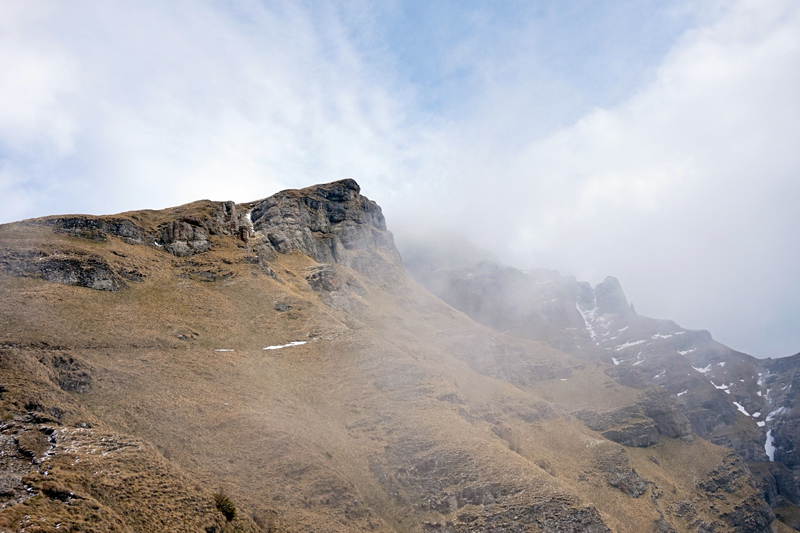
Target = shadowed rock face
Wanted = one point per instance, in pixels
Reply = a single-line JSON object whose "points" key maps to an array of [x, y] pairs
{"points": [[98, 229], [81, 269]]}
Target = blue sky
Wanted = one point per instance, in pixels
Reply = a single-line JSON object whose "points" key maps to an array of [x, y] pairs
{"points": [[655, 141]]}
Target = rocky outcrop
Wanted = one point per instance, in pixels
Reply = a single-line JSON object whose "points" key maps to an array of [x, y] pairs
{"points": [[188, 235], [331, 223], [669, 419], [628, 376], [98, 229], [67, 267], [627, 425], [777, 483], [616, 467], [640, 425], [610, 297]]}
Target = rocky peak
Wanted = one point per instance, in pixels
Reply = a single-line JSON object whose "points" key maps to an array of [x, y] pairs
{"points": [[611, 298], [331, 223]]}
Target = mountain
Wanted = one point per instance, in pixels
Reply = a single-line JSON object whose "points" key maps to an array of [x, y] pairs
{"points": [[730, 398], [270, 366]]}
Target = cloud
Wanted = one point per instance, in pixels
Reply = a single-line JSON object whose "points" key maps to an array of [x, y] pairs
{"points": [[120, 105], [685, 191], [656, 143]]}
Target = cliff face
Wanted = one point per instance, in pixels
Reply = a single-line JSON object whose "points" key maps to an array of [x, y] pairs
{"points": [[275, 353], [330, 223]]}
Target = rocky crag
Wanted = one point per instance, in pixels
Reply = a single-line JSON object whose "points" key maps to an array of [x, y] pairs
{"points": [[269, 366]]}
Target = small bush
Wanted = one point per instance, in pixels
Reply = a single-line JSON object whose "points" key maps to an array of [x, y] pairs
{"points": [[225, 506]]}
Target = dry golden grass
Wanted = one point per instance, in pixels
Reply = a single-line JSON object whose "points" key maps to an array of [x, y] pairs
{"points": [[395, 403]]}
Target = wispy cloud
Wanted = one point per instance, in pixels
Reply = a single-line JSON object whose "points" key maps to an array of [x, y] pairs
{"points": [[685, 190], [147, 104], [652, 141]]}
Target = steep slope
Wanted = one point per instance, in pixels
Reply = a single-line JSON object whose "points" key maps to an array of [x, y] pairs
{"points": [[276, 352], [730, 398]]}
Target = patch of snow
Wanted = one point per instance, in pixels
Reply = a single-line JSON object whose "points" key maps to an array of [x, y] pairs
{"points": [[623, 329], [722, 364], [682, 393], [741, 409], [720, 387], [588, 319], [769, 446], [756, 414], [704, 370], [776, 412], [660, 336], [684, 352], [761, 423], [628, 345], [680, 333], [563, 379], [293, 343], [660, 374], [758, 393], [639, 362], [224, 350], [615, 361]]}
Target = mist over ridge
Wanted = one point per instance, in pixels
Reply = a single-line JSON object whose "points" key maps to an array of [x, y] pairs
{"points": [[273, 363], [654, 143]]}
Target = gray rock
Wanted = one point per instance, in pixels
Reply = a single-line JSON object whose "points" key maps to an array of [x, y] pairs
{"points": [[97, 229], [610, 297], [627, 425], [189, 234], [81, 269], [639, 434], [616, 466], [331, 223], [670, 420]]}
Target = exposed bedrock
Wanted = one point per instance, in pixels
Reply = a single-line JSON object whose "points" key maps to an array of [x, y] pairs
{"points": [[331, 223]]}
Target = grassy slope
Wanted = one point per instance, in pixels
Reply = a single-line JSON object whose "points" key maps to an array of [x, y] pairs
{"points": [[388, 409]]}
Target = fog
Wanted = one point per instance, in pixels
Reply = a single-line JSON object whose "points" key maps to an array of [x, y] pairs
{"points": [[652, 141]]}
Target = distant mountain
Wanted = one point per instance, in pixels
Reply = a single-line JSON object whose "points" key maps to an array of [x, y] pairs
{"points": [[269, 366], [730, 398]]}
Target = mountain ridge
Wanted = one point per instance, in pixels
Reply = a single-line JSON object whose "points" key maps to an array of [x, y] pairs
{"points": [[280, 355], [730, 397]]}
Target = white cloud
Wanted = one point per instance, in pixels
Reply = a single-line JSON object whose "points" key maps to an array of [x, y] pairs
{"points": [[123, 105], [686, 191], [682, 184]]}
